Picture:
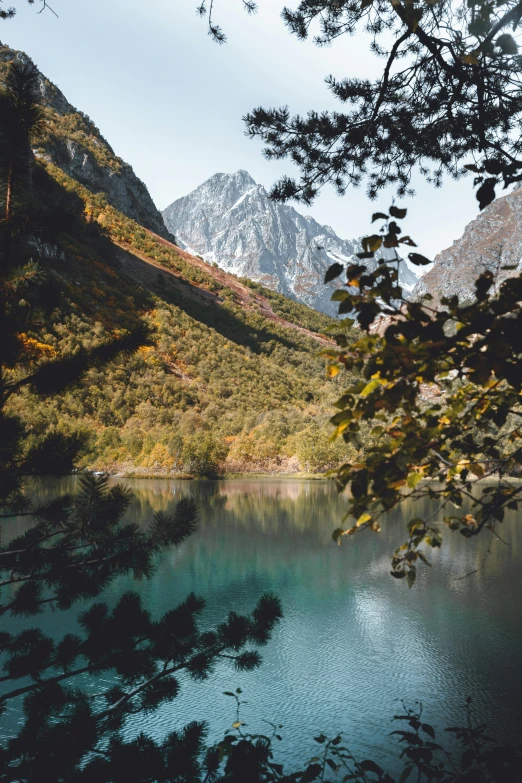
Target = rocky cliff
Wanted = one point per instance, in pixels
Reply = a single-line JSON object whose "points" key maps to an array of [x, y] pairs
{"points": [[230, 220], [72, 141], [492, 241]]}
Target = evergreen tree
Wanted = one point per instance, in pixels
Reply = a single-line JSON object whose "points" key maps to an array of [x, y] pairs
{"points": [[449, 99]]}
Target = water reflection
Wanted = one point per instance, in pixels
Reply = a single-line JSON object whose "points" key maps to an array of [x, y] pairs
{"points": [[353, 639]]}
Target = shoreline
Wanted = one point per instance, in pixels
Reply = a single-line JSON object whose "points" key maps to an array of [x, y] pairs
{"points": [[223, 477]]}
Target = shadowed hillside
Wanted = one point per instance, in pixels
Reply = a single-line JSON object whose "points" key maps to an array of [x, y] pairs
{"points": [[232, 379]]}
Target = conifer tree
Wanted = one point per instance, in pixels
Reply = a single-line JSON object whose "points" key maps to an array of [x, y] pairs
{"points": [[448, 100]]}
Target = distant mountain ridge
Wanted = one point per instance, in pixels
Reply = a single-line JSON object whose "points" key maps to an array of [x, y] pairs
{"points": [[492, 241], [230, 220]]}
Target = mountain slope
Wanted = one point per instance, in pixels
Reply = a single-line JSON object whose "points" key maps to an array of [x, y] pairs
{"points": [[232, 381], [230, 220], [71, 141], [491, 241]]}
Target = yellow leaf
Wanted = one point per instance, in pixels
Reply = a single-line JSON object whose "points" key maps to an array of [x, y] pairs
{"points": [[371, 243], [333, 370], [370, 387], [363, 519], [413, 479], [470, 59], [236, 725], [338, 431], [477, 469]]}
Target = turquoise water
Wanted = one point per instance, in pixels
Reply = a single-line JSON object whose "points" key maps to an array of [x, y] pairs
{"points": [[353, 641]]}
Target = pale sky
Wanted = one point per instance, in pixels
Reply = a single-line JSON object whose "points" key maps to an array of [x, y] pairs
{"points": [[170, 101]]}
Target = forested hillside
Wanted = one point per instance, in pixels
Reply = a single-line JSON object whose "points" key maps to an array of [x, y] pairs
{"points": [[232, 379]]}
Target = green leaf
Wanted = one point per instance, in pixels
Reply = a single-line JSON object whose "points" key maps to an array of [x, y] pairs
{"points": [[418, 260], [424, 558], [338, 418], [371, 243], [391, 240], [370, 387], [397, 212], [477, 469], [405, 774], [332, 272], [339, 295], [370, 766]]}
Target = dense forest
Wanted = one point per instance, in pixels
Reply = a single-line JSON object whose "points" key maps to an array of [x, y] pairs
{"points": [[231, 378]]}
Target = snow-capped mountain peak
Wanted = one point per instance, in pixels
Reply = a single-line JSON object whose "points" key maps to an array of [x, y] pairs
{"points": [[230, 219]]}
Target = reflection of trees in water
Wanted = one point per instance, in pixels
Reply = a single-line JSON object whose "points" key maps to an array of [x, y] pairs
{"points": [[268, 522], [264, 534]]}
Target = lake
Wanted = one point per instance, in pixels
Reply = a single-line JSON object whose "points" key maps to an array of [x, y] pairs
{"points": [[353, 641]]}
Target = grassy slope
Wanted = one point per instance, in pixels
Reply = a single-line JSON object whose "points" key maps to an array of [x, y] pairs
{"points": [[233, 380]]}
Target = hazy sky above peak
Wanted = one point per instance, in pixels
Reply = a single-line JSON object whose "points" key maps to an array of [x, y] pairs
{"points": [[170, 101]]}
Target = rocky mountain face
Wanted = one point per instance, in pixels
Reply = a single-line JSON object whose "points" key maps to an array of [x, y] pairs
{"points": [[72, 141], [491, 241], [230, 220]]}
